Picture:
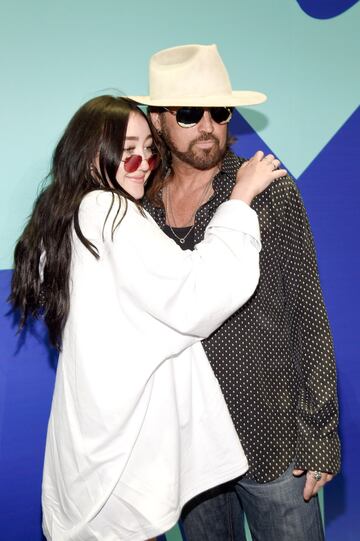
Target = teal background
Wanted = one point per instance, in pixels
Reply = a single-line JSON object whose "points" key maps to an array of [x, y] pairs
{"points": [[56, 55]]}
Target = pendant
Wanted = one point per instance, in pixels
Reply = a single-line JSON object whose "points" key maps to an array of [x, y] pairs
{"points": [[182, 241]]}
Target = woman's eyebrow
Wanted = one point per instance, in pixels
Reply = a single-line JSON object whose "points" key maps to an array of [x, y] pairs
{"points": [[135, 138]]}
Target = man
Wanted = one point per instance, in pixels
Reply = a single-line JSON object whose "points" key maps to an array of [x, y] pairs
{"points": [[274, 357]]}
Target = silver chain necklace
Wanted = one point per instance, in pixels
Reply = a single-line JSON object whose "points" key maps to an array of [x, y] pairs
{"points": [[192, 217]]}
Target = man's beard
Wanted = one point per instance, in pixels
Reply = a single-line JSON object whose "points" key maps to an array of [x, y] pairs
{"points": [[202, 159]]}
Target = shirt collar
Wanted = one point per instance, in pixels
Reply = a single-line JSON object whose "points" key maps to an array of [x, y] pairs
{"points": [[228, 170]]}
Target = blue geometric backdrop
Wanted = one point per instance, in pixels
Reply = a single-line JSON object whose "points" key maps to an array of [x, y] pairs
{"points": [[304, 55]]}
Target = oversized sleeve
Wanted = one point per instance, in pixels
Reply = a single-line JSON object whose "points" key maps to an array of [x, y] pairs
{"points": [[317, 445], [179, 295]]}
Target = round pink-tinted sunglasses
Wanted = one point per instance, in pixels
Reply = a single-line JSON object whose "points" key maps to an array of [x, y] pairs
{"points": [[132, 163]]}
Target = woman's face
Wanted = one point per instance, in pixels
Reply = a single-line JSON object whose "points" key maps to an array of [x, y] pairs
{"points": [[138, 141]]}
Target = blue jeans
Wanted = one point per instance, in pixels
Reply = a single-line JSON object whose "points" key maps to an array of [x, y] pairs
{"points": [[275, 511]]}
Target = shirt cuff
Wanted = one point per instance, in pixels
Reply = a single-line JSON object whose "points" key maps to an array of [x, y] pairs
{"points": [[318, 454]]}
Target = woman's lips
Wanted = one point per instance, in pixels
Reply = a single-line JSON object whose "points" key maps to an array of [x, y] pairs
{"points": [[138, 180]]}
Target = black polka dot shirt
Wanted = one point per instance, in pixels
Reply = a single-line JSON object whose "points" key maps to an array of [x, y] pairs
{"points": [[274, 357]]}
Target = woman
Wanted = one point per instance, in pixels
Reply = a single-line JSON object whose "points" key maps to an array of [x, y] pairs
{"points": [[131, 435]]}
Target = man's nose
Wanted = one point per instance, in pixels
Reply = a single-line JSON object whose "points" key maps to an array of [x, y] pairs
{"points": [[206, 123]]}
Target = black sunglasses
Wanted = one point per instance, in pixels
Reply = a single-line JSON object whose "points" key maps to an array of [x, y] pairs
{"points": [[188, 117]]}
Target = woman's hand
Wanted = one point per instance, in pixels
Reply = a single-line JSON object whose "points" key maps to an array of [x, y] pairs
{"points": [[255, 175]]}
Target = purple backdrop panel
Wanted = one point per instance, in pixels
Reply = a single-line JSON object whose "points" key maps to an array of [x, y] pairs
{"points": [[331, 191], [27, 372], [325, 9]]}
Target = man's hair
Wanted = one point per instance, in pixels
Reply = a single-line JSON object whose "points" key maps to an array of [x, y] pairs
{"points": [[96, 133]]}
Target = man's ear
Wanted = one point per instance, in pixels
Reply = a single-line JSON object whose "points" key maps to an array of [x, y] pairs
{"points": [[155, 119]]}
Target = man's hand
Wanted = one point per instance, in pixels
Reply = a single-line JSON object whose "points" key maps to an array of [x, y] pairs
{"points": [[312, 485]]}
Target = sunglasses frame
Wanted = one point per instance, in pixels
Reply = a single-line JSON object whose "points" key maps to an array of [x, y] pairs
{"points": [[176, 111]]}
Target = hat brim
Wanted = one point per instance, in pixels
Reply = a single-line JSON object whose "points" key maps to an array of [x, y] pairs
{"points": [[236, 98]]}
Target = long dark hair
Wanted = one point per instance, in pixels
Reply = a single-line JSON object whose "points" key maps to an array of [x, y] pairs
{"points": [[95, 133]]}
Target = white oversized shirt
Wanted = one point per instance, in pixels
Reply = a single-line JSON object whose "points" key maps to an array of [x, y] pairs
{"points": [[138, 424]]}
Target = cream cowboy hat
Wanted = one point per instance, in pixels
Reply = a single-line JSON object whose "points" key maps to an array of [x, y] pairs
{"points": [[193, 75]]}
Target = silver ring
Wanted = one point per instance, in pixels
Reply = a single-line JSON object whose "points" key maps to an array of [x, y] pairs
{"points": [[316, 475]]}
